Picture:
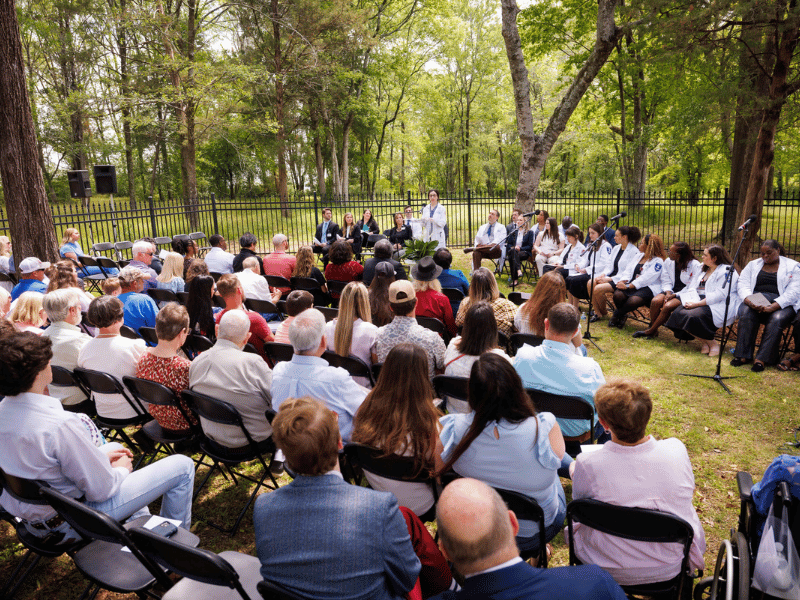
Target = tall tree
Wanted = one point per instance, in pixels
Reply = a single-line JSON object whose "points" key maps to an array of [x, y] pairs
{"points": [[28, 211]]}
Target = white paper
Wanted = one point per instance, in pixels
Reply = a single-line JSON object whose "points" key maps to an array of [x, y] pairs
{"points": [[690, 297], [163, 254]]}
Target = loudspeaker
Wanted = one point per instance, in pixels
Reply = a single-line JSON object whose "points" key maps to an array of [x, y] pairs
{"points": [[79, 185], [105, 179]]}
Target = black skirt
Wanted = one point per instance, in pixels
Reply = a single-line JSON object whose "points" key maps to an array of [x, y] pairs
{"points": [[696, 322], [576, 284]]}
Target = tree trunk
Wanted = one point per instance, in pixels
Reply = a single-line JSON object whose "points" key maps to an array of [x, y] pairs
{"points": [[786, 35], [320, 163], [29, 216], [344, 165], [280, 136], [535, 149], [466, 143], [403, 159], [122, 44]]}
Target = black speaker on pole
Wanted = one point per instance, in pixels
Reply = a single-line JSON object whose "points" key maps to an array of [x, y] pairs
{"points": [[79, 184], [105, 179]]}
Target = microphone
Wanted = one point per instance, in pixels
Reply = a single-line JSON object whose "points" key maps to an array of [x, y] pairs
{"points": [[750, 220], [621, 215], [530, 214]]}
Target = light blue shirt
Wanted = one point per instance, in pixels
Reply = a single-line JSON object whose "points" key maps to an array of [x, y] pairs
{"points": [[70, 247], [314, 377], [554, 367]]}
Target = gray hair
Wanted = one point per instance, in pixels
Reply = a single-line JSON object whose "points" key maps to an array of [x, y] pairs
{"points": [[383, 249], [306, 331], [58, 302], [234, 326], [141, 246], [251, 262], [278, 239]]}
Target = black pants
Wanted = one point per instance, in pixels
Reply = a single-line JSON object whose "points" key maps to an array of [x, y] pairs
{"points": [[747, 331], [515, 257]]}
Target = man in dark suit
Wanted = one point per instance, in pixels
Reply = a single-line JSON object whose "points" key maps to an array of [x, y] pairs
{"points": [[327, 233], [383, 253], [321, 537], [247, 245], [610, 231], [476, 533]]}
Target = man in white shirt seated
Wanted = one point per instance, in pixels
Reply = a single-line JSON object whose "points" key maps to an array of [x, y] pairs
{"points": [[40, 440], [143, 252], [242, 379], [63, 308], [307, 374], [488, 240], [218, 259], [253, 284]]}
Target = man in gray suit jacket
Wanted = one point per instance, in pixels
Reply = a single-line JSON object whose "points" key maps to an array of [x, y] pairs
{"points": [[320, 536]]}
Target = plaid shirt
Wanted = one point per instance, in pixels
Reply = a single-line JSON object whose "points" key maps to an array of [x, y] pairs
{"points": [[504, 312]]}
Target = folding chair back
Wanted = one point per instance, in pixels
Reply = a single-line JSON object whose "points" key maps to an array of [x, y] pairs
{"points": [[121, 246], [453, 294], [163, 295], [336, 287], [196, 343], [63, 377], [153, 392], [436, 325], [278, 281], [447, 386], [518, 298], [518, 340], [528, 509], [638, 524], [105, 247], [128, 332], [193, 563], [393, 466], [277, 352], [328, 312], [183, 297], [564, 407], [10, 278], [163, 241], [21, 489], [352, 364], [261, 306], [149, 335], [105, 383]]}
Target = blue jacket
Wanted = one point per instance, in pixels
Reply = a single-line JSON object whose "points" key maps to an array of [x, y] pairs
{"points": [[321, 537]]}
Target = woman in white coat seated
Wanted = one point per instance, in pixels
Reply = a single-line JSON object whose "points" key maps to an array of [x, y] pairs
{"points": [[622, 255], [641, 280], [777, 280], [703, 301], [679, 269]]}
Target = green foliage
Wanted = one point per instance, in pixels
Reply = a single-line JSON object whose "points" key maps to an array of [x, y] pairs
{"points": [[417, 249]]}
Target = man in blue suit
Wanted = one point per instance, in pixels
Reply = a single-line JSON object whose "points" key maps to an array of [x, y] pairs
{"points": [[321, 537], [476, 533]]}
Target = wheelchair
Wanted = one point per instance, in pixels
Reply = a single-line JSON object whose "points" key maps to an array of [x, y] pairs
{"points": [[733, 571]]}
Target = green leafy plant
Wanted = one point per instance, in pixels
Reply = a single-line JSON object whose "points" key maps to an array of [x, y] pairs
{"points": [[416, 249]]}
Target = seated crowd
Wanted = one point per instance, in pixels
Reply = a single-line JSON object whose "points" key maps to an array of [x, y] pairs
{"points": [[494, 439]]}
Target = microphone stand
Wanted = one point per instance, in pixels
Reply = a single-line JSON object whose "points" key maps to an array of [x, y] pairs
{"points": [[725, 329], [593, 259]]}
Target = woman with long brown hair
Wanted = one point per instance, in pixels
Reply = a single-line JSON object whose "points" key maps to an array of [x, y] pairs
{"points": [[379, 294], [548, 245], [398, 416], [304, 267], [507, 444], [549, 291], [641, 282], [352, 332], [484, 287]]}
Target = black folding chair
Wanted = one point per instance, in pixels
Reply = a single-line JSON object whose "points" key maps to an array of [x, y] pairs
{"points": [[103, 383], [223, 413], [93, 280], [447, 386], [164, 440], [276, 281], [10, 278], [128, 332], [63, 377], [352, 364], [527, 509], [517, 340], [206, 575], [51, 546], [102, 561], [195, 344], [163, 295], [149, 335], [311, 285], [105, 247], [453, 294], [277, 352], [376, 371], [328, 312], [564, 407], [518, 298], [264, 307], [273, 591], [197, 236], [183, 297], [436, 325], [122, 246], [163, 241], [638, 524], [398, 468], [335, 289]]}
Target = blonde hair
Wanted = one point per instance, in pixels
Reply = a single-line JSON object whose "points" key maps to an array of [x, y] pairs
{"points": [[68, 234], [423, 286], [353, 304], [28, 309], [4, 244], [173, 267]]}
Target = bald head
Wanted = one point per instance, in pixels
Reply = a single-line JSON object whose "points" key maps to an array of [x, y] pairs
{"points": [[475, 527]]}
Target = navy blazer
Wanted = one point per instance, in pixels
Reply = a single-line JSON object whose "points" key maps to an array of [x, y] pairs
{"points": [[321, 537], [521, 581], [333, 231], [527, 241]]}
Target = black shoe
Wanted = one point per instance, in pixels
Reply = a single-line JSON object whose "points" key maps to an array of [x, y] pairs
{"points": [[642, 334], [757, 367], [276, 468], [613, 322], [738, 362]]}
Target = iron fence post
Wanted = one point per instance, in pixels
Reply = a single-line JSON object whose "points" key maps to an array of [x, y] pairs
{"points": [[724, 217], [469, 213], [152, 216], [214, 212], [316, 210], [619, 194]]}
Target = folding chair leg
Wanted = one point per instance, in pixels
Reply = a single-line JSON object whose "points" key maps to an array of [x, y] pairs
{"points": [[29, 566], [259, 485], [207, 477]]}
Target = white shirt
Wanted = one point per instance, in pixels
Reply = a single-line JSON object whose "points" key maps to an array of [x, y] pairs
{"points": [[655, 474], [219, 261], [116, 356], [362, 345], [433, 225], [498, 233], [40, 440], [67, 341], [255, 286], [237, 377]]}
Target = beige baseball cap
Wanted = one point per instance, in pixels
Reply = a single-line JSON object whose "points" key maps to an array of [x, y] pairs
{"points": [[401, 291]]}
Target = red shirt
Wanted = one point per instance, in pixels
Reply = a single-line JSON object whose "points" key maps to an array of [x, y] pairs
{"points": [[280, 264], [172, 373], [431, 303], [349, 271], [259, 330]]}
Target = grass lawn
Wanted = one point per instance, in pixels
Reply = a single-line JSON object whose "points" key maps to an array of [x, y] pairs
{"points": [[723, 433]]}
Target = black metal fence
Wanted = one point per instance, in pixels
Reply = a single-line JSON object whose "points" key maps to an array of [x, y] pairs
{"points": [[696, 220]]}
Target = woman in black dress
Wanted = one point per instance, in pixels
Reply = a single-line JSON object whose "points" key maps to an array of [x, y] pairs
{"points": [[398, 235]]}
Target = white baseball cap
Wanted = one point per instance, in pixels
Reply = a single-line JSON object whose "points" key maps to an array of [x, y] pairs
{"points": [[31, 265]]}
